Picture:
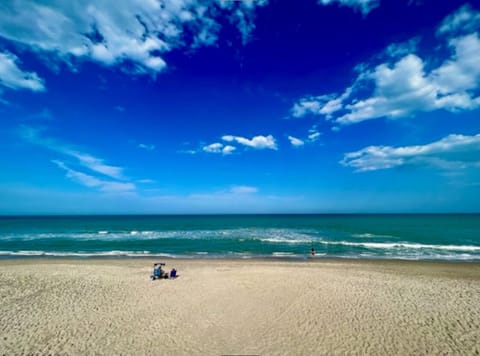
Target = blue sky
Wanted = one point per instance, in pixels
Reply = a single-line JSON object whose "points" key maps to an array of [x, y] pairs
{"points": [[213, 106]]}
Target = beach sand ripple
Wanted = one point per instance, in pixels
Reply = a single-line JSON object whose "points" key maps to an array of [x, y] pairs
{"points": [[239, 307]]}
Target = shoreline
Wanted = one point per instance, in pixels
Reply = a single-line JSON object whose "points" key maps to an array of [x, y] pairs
{"points": [[430, 267], [241, 257], [266, 260], [292, 259]]}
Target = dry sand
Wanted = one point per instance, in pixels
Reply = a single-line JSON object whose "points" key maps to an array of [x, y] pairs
{"points": [[239, 307]]}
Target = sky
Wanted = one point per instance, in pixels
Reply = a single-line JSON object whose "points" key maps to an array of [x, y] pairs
{"points": [[216, 106]]}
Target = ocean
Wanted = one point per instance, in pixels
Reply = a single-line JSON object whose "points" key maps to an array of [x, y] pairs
{"points": [[453, 237]]}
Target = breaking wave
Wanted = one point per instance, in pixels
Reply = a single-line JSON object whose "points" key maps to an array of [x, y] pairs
{"points": [[403, 245]]}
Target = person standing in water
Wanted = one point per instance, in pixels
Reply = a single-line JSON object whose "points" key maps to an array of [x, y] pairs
{"points": [[312, 252]]}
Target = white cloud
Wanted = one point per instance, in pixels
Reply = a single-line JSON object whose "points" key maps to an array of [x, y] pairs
{"points": [[97, 165], [218, 147], [402, 49], [313, 135], [406, 85], [464, 20], [243, 17], [228, 149], [405, 88], [110, 32], [12, 77], [461, 73], [310, 105], [115, 181], [243, 189], [296, 141], [365, 6], [79, 177], [325, 105], [451, 152], [93, 163], [94, 182], [257, 142], [213, 148], [146, 147]]}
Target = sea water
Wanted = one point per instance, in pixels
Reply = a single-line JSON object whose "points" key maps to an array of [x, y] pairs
{"points": [[412, 237]]}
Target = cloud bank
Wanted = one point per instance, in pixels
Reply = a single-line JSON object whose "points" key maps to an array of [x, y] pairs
{"points": [[364, 6], [451, 152], [218, 147], [133, 33], [104, 177], [296, 142], [407, 84], [12, 77], [106, 186], [258, 142], [312, 137]]}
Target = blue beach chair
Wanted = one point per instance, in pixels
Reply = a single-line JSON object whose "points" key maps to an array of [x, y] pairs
{"points": [[157, 271]]}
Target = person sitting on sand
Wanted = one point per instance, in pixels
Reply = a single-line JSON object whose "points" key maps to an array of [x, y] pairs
{"points": [[157, 272]]}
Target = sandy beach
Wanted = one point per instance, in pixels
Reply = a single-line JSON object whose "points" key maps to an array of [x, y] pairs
{"points": [[237, 307]]}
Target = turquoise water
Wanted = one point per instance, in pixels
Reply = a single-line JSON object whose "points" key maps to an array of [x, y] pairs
{"points": [[419, 237]]}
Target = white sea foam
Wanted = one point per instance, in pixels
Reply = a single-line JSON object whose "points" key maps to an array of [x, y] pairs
{"points": [[84, 254], [280, 254], [262, 234], [368, 235], [404, 245], [243, 255], [285, 240]]}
